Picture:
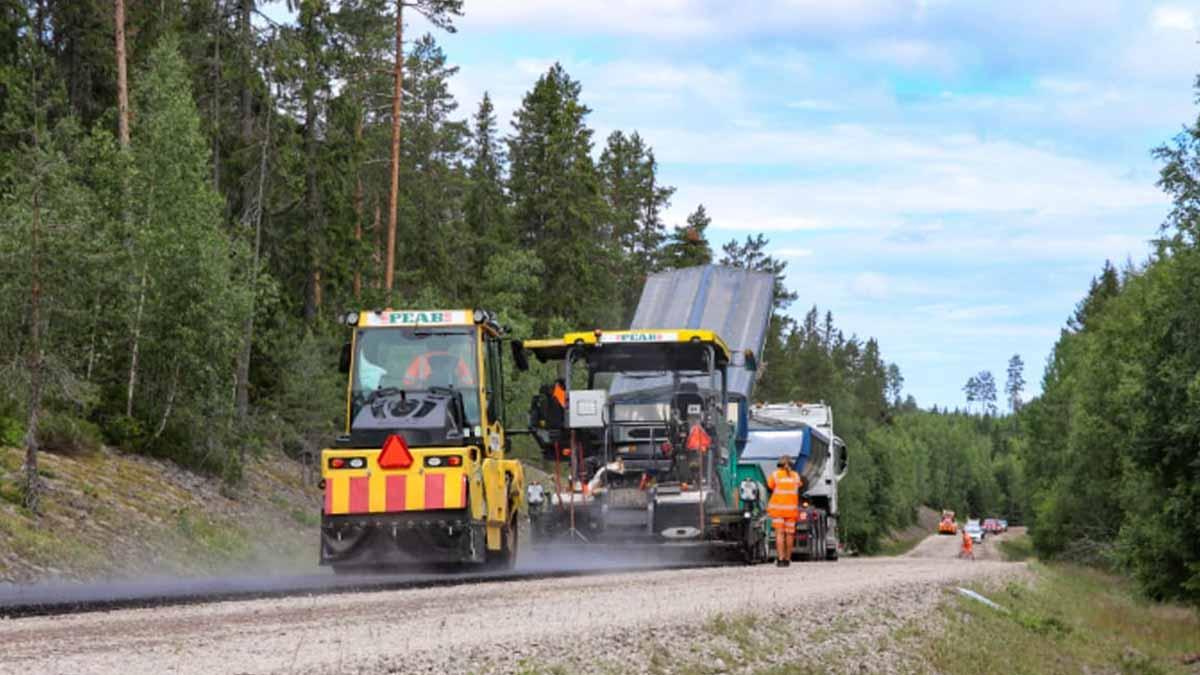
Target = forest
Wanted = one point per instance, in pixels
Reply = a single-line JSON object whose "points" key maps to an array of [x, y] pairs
{"points": [[193, 192]]}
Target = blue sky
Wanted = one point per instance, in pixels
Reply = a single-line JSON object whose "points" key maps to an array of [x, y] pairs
{"points": [[944, 175]]}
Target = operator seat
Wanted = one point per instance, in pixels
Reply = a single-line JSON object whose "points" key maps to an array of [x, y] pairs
{"points": [[687, 401]]}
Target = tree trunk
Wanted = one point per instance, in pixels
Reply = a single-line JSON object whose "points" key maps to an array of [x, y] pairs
{"points": [[162, 423], [394, 189], [33, 487], [137, 335], [245, 99], [246, 47], [311, 196], [215, 103], [242, 381], [122, 78], [91, 357], [378, 254]]}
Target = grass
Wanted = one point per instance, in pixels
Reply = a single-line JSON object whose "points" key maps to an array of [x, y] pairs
{"points": [[895, 547], [1016, 549], [106, 514], [1068, 620]]}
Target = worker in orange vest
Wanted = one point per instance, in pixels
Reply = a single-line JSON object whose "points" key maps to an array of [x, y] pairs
{"points": [[419, 371], [968, 546], [784, 509]]}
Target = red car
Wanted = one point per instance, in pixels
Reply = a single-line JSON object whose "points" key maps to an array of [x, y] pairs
{"points": [[992, 526]]}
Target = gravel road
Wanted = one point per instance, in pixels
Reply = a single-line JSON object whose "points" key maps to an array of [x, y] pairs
{"points": [[732, 619], [946, 546]]}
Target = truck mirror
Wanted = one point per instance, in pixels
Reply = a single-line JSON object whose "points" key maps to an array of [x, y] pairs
{"points": [[519, 357], [750, 361], [344, 360]]}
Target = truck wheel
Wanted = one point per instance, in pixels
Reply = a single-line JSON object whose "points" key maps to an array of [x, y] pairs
{"points": [[831, 554]]}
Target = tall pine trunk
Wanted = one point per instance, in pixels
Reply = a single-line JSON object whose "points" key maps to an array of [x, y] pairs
{"points": [[122, 76], [394, 189], [377, 255], [242, 380], [215, 101], [312, 205], [33, 487]]}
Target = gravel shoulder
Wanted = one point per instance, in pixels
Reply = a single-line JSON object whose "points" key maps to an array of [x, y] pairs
{"points": [[733, 619]]}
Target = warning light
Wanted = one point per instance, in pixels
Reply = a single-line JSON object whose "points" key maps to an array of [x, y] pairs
{"points": [[454, 461], [337, 463], [395, 454]]}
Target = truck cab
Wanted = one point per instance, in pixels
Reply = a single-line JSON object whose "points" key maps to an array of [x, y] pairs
{"points": [[420, 473]]}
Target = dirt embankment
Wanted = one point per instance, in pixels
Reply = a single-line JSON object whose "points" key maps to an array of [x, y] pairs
{"points": [[853, 615], [112, 515]]}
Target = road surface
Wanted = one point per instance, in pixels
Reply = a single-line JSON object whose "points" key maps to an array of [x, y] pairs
{"points": [[627, 622]]}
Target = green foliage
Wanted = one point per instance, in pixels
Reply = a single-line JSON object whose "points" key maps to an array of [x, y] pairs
{"points": [[124, 432], [1115, 437], [949, 461], [12, 432], [688, 246], [558, 205], [65, 435], [1016, 549]]}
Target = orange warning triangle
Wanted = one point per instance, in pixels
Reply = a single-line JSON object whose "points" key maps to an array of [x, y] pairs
{"points": [[698, 439]]}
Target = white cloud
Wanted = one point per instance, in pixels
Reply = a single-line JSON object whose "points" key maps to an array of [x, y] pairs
{"points": [[874, 286], [791, 252], [680, 19], [910, 54], [1173, 18], [813, 104], [875, 179]]}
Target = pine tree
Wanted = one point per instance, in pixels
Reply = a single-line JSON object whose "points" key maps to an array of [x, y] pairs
{"points": [[440, 13], [753, 255], [635, 203], [895, 384], [557, 203], [1016, 382], [688, 245], [987, 391], [486, 204], [972, 390], [432, 173], [1102, 289]]}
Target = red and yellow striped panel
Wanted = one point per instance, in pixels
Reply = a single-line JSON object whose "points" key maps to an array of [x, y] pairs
{"points": [[397, 492]]}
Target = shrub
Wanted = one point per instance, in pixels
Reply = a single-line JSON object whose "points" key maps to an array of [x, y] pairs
{"points": [[12, 432], [64, 435], [124, 432]]}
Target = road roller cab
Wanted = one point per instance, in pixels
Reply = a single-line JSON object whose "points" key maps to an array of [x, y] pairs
{"points": [[420, 474]]}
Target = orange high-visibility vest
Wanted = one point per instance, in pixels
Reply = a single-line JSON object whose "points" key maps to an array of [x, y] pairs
{"points": [[419, 370], [785, 494]]}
